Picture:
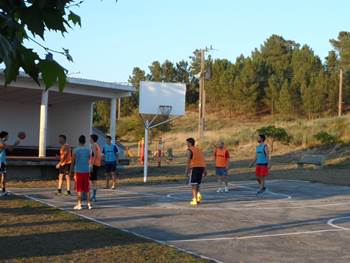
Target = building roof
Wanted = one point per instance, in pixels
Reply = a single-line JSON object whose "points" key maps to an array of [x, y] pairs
{"points": [[77, 86], [102, 84]]}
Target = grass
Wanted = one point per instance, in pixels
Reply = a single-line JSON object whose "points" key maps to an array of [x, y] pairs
{"points": [[32, 232]]}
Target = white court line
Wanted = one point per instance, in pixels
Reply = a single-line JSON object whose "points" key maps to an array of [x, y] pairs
{"points": [[259, 236], [267, 191], [237, 208], [124, 230], [331, 222], [287, 197], [234, 208]]}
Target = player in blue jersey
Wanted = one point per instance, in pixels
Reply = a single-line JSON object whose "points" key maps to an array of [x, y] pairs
{"points": [[80, 167], [262, 161], [110, 154]]}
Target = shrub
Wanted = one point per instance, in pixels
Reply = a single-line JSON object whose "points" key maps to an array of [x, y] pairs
{"points": [[130, 127], [326, 138]]}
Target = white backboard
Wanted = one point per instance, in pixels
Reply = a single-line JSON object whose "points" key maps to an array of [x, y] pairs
{"points": [[155, 94]]}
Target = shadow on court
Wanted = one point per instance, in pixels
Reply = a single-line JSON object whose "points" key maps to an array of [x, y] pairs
{"points": [[292, 214]]}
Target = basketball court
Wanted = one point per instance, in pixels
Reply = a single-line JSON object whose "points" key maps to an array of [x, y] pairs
{"points": [[294, 221]]}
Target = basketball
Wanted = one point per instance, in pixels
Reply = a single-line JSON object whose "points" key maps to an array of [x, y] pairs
{"points": [[21, 135]]}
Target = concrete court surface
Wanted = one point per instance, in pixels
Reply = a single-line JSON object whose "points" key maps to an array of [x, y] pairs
{"points": [[294, 221]]}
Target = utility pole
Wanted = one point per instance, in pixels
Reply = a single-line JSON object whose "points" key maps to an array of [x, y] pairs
{"points": [[201, 104], [202, 97], [340, 101]]}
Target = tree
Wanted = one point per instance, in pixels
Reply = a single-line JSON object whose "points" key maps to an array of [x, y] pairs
{"points": [[101, 115], [275, 134], [22, 21], [273, 93], [245, 89], [129, 104], [183, 74], [281, 76], [168, 71], [342, 46], [332, 77], [285, 105], [156, 71]]}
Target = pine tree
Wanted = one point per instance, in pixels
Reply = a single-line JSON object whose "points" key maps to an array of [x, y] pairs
{"points": [[168, 71], [285, 105], [155, 71], [272, 93]]}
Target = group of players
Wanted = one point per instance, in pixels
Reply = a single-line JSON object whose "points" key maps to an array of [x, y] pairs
{"points": [[196, 166], [84, 162]]}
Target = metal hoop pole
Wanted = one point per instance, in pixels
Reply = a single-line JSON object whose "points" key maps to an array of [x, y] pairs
{"points": [[145, 163]]}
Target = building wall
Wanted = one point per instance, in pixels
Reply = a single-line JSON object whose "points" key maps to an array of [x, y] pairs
{"points": [[71, 119], [16, 117]]}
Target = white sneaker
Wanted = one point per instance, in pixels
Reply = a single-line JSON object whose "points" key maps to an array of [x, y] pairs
{"points": [[219, 190], [77, 207], [89, 206], [226, 190]]}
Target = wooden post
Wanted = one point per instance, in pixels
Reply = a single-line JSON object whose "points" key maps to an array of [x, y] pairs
{"points": [[340, 102], [201, 96]]}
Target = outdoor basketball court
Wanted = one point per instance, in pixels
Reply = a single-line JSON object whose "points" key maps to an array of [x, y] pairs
{"points": [[294, 221]]}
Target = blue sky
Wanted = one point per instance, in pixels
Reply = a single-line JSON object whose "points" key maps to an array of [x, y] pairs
{"points": [[115, 37]]}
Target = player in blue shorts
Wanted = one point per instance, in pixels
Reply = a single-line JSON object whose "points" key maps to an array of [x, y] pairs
{"points": [[4, 147], [110, 154], [222, 160]]}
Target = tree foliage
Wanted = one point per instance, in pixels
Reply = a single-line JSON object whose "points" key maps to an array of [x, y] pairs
{"points": [[280, 77], [22, 21], [275, 134], [327, 139]]}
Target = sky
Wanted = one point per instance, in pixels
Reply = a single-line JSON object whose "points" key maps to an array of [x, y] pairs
{"points": [[116, 37]]}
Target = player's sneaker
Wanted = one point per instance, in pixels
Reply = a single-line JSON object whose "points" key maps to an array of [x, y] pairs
{"points": [[68, 193], [93, 199], [77, 207], [261, 191], [113, 187], [89, 206], [199, 197], [219, 190], [194, 202], [226, 190], [58, 192]]}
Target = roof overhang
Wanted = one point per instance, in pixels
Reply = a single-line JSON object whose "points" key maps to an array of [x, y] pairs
{"points": [[76, 86]]}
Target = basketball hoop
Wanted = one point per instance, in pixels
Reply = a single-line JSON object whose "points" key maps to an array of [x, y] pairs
{"points": [[165, 109], [159, 103]]}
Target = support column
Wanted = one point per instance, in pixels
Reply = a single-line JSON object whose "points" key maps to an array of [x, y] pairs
{"points": [[43, 123], [113, 117]]}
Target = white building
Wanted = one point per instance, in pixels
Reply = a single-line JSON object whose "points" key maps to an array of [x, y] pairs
{"points": [[43, 115]]}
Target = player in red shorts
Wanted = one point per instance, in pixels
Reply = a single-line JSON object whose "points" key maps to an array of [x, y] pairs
{"points": [[262, 161], [81, 169]]}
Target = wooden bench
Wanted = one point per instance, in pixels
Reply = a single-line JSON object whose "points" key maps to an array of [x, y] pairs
{"points": [[316, 160]]}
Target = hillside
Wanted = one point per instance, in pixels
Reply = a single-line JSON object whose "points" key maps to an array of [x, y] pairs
{"points": [[239, 135]]}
